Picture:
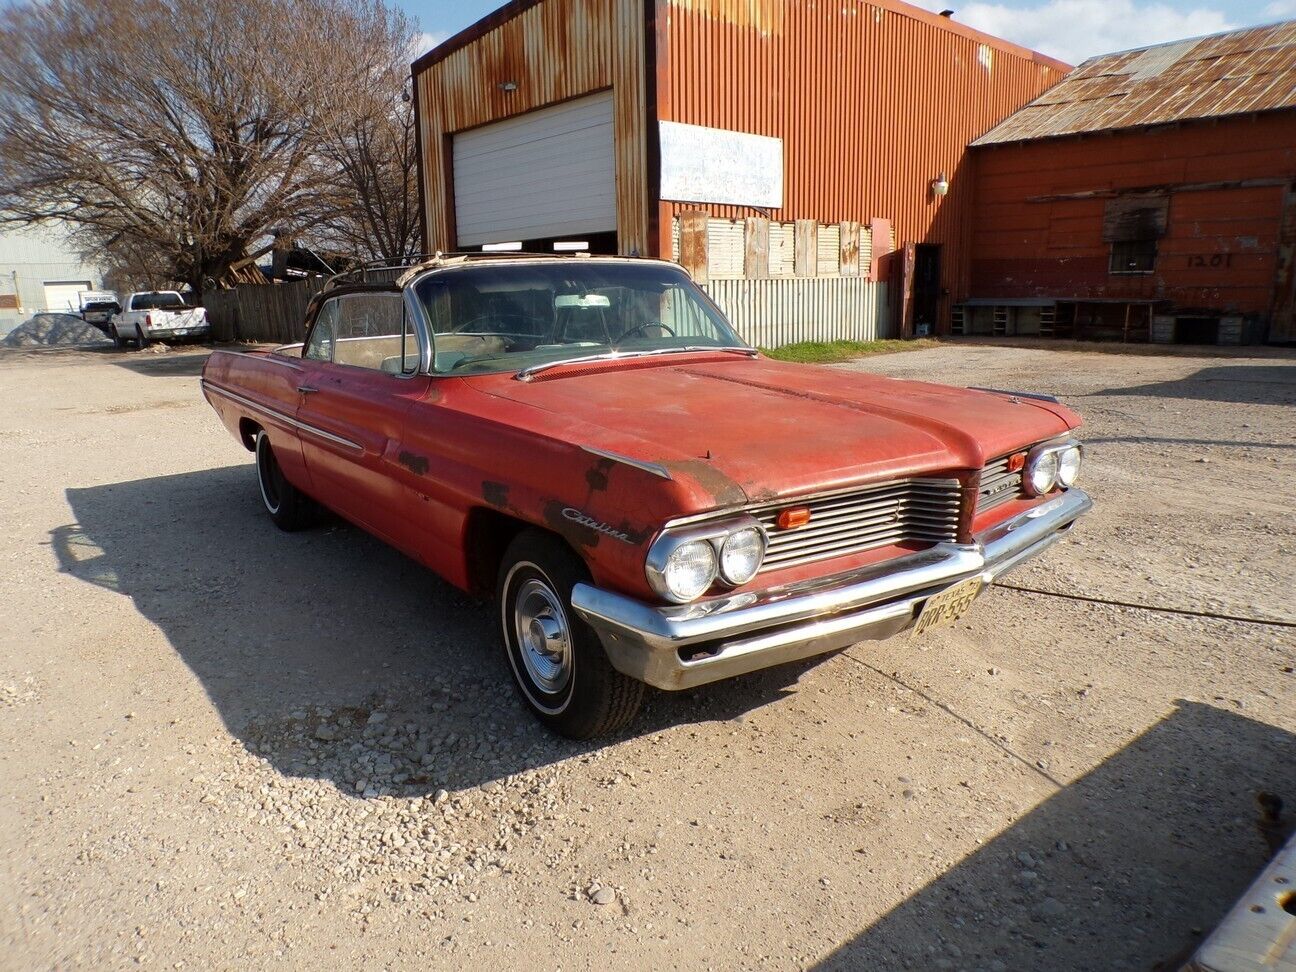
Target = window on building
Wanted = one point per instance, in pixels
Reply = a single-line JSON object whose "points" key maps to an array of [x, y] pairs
{"points": [[1133, 224], [1133, 256]]}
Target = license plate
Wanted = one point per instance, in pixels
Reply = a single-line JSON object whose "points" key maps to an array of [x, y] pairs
{"points": [[947, 606]]}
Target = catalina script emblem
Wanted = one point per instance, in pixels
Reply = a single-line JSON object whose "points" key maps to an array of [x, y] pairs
{"points": [[585, 520]]}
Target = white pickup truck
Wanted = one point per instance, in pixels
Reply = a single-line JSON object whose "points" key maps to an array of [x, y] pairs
{"points": [[157, 315]]}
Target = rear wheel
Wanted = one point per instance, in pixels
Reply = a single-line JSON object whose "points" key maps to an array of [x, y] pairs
{"points": [[140, 339], [557, 661], [289, 507]]}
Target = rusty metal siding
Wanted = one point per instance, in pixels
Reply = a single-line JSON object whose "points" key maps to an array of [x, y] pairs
{"points": [[1038, 222], [1234, 73], [768, 313], [872, 100], [554, 50]]}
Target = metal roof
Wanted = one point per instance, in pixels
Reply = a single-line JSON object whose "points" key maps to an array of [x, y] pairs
{"points": [[1234, 73]]}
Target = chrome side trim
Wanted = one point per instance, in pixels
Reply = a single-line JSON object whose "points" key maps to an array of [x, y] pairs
{"points": [[648, 467], [275, 356], [277, 415], [1035, 396]]}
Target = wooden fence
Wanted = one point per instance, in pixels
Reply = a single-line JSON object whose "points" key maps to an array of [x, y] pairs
{"points": [[771, 312], [766, 312], [261, 312]]}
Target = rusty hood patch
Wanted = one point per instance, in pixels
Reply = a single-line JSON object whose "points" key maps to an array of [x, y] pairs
{"points": [[745, 428]]}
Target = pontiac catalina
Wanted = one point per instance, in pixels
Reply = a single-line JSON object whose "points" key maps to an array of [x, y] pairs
{"points": [[646, 498]]}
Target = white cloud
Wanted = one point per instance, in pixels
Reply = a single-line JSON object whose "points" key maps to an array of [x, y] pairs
{"points": [[1074, 30], [427, 40], [1281, 9]]}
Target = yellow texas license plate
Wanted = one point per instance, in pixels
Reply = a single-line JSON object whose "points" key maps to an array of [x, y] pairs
{"points": [[947, 606]]}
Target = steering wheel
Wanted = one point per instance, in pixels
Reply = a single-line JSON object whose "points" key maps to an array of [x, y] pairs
{"points": [[643, 327]]}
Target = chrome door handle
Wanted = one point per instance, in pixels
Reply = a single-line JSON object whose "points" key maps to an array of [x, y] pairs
{"points": [[307, 389]]}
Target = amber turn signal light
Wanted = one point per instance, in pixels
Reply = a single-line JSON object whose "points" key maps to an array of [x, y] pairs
{"points": [[793, 517], [1016, 462]]}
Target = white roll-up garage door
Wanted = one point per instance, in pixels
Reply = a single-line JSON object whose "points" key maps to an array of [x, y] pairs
{"points": [[543, 174], [63, 296]]}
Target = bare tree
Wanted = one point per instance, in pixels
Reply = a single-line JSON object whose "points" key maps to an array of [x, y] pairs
{"points": [[368, 205], [184, 128]]}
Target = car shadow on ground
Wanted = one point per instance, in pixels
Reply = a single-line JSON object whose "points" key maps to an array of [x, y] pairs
{"points": [[1273, 384], [174, 363], [1106, 852], [288, 632]]}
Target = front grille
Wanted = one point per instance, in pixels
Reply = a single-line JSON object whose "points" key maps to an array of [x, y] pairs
{"points": [[998, 485], [923, 510]]}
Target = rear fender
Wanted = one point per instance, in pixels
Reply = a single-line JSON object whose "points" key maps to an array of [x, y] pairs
{"points": [[258, 390]]}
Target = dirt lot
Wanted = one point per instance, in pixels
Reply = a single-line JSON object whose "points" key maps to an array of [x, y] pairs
{"points": [[226, 747]]}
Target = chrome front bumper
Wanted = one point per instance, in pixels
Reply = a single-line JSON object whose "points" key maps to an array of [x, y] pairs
{"points": [[682, 646]]}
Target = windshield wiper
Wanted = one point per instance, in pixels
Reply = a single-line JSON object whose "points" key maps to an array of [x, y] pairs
{"points": [[526, 373]]}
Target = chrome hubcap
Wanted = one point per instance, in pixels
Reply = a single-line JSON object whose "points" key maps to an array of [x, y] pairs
{"points": [[544, 638]]}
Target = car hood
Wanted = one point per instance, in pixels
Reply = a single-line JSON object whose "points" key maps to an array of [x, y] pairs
{"points": [[748, 430]]}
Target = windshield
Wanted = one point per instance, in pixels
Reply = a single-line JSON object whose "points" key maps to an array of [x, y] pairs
{"points": [[153, 301], [509, 317]]}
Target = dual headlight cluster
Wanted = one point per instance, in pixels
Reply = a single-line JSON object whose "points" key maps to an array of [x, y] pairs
{"points": [[1050, 465], [683, 564]]}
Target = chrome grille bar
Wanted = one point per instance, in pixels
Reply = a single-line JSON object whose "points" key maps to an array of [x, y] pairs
{"points": [[922, 510], [998, 485]]}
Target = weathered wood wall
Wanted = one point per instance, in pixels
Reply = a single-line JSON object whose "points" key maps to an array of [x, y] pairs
{"points": [[249, 312]]}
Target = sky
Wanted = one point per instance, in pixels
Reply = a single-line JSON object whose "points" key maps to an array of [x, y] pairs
{"points": [[1070, 30]]}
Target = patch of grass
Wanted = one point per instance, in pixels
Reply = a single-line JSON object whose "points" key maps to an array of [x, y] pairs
{"points": [[825, 352]]}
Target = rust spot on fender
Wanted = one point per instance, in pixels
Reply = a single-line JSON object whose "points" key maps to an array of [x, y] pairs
{"points": [[569, 530], [723, 490], [416, 464], [596, 477], [496, 494]]}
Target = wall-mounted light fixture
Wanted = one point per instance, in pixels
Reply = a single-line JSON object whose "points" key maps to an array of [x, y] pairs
{"points": [[940, 185], [507, 85]]}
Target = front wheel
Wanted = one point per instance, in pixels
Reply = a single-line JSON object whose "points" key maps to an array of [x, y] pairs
{"points": [[117, 338], [288, 506], [557, 661]]}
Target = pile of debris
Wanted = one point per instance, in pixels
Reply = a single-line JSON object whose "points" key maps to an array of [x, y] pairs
{"points": [[54, 330]]}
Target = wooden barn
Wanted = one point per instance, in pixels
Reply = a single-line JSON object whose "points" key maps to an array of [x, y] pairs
{"points": [[1151, 195]]}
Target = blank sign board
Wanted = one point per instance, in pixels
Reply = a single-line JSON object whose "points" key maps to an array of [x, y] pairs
{"points": [[719, 166]]}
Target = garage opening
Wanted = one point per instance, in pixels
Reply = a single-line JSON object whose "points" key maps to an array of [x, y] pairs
{"points": [[539, 180], [63, 296]]}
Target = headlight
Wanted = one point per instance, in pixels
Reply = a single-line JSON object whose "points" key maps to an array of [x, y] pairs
{"points": [[1068, 465], [688, 570], [741, 555], [1041, 473], [684, 563]]}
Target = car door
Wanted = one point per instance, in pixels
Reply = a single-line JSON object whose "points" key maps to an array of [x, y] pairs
{"points": [[362, 371]]}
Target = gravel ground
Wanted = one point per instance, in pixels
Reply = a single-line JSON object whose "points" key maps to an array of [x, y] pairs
{"points": [[227, 747]]}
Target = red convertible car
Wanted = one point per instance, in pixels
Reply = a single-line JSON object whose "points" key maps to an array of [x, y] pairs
{"points": [[646, 497]]}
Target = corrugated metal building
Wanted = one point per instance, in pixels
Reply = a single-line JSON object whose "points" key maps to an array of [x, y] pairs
{"points": [[1149, 196], [801, 159], [38, 272]]}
